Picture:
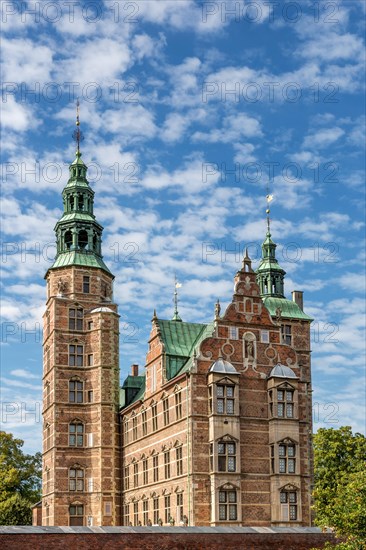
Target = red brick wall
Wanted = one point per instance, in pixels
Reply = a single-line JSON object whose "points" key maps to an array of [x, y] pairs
{"points": [[129, 540]]}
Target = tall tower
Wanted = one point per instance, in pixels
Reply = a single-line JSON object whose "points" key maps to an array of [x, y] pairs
{"points": [[81, 443]]}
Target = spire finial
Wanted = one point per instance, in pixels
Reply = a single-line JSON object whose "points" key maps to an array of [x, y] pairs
{"points": [[78, 135], [269, 198], [176, 286]]}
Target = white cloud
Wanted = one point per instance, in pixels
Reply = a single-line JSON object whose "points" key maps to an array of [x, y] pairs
{"points": [[23, 373], [323, 138], [25, 61], [16, 117], [234, 128]]}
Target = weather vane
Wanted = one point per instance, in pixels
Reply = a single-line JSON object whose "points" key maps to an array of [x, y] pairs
{"points": [[77, 134]]}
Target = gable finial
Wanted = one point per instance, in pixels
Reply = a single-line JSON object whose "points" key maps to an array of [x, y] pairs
{"points": [[175, 299]]}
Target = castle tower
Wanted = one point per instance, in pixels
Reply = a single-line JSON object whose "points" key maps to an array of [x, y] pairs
{"points": [[81, 444]]}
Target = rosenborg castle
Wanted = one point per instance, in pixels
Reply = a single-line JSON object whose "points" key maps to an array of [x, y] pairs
{"points": [[215, 428]]}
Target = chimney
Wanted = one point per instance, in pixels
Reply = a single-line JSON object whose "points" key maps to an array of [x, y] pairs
{"points": [[134, 370], [297, 297]]}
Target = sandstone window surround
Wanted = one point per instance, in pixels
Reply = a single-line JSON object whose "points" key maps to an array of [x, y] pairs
{"points": [[166, 410], [126, 478], [134, 427], [167, 464], [284, 457], [144, 422], [135, 513], [76, 355], [76, 318], [155, 510], [86, 284], [283, 401], [167, 508], [228, 503], [156, 468], [145, 511], [225, 399], [178, 405], [179, 460], [76, 434], [154, 417], [76, 514], [286, 334], [76, 478], [180, 513], [126, 514], [289, 504], [145, 471], [76, 391]]}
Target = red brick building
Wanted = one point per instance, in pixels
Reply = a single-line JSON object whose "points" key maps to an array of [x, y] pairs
{"points": [[215, 429]]}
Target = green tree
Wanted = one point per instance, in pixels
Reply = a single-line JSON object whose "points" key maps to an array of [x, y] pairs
{"points": [[340, 484], [20, 481]]}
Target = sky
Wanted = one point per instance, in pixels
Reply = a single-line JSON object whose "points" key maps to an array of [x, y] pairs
{"points": [[191, 113]]}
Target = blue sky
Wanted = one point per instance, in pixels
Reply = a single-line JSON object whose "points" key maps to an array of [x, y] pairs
{"points": [[189, 111]]}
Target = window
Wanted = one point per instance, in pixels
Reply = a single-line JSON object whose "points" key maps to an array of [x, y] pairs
{"points": [[75, 356], [286, 334], [76, 479], [179, 460], [90, 396], [76, 513], [178, 405], [285, 403], [167, 508], [86, 284], [155, 510], [227, 505], [180, 507], [134, 428], [76, 391], [287, 460], [135, 513], [76, 434], [127, 478], [90, 485], [156, 467], [144, 422], [226, 456], [154, 415], [90, 360], [90, 325], [288, 500], [135, 475], [145, 511], [153, 378], [167, 464], [166, 411], [126, 514], [265, 336], [145, 471], [233, 333], [75, 319], [225, 399], [125, 431]]}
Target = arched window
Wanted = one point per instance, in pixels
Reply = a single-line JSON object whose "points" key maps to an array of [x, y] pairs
{"points": [[76, 434], [71, 202], [81, 202], [83, 239], [68, 240], [76, 391], [76, 514], [76, 478]]}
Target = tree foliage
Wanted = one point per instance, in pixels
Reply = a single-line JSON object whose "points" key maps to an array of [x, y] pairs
{"points": [[340, 484], [20, 481]]}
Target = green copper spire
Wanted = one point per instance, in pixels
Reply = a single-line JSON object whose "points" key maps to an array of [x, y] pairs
{"points": [[270, 276], [78, 233]]}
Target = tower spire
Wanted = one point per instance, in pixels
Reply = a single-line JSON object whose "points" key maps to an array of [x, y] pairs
{"points": [[78, 135], [270, 276], [177, 285]]}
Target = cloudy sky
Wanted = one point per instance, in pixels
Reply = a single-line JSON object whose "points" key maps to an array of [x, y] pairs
{"points": [[190, 111]]}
